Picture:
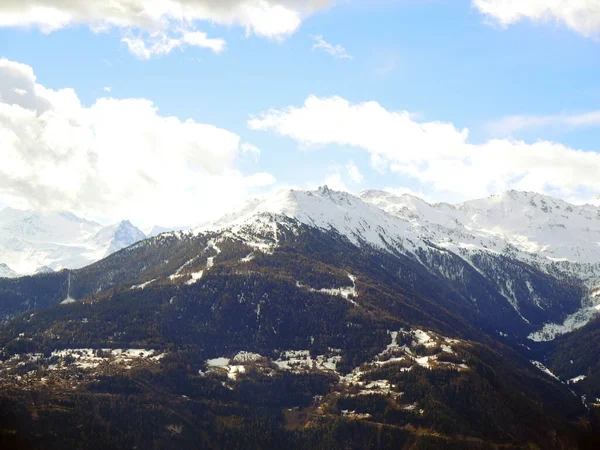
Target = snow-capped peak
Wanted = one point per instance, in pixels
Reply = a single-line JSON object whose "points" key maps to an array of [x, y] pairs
{"points": [[6, 272], [536, 225], [532, 223], [118, 236], [31, 241], [327, 209]]}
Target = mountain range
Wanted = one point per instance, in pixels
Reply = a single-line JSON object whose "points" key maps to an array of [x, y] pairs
{"points": [[492, 236], [32, 241], [318, 319]]}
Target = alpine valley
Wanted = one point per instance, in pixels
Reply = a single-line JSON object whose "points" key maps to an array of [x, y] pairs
{"points": [[308, 319]]}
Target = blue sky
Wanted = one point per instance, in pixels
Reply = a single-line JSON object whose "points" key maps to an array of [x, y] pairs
{"points": [[470, 64]]}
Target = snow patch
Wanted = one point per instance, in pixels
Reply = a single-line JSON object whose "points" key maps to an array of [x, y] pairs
{"points": [[218, 362], [577, 379], [544, 369], [143, 285], [195, 277], [242, 357], [87, 358], [345, 292], [573, 322], [300, 360]]}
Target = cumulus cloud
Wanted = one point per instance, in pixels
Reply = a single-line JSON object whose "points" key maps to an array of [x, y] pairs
{"points": [[512, 124], [341, 178], [436, 155], [582, 16], [115, 158], [157, 27], [250, 149], [161, 43], [337, 51], [267, 18], [354, 173], [335, 181]]}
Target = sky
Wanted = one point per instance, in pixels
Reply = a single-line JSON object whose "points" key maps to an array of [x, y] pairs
{"points": [[174, 112]]}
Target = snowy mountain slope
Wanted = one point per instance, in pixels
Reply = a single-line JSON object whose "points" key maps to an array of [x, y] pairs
{"points": [[157, 229], [548, 233], [344, 213], [31, 241], [7, 272], [117, 236], [531, 223], [491, 238], [525, 226]]}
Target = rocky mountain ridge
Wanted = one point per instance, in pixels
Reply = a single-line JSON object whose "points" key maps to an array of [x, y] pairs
{"points": [[31, 241]]}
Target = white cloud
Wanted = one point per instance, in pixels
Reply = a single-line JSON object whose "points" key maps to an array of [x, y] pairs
{"points": [[161, 43], [437, 155], [341, 178], [268, 18], [249, 149], [107, 88], [511, 124], [337, 51], [334, 181], [354, 173], [582, 16], [115, 158]]}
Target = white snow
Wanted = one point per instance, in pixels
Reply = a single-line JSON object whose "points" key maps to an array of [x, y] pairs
{"points": [[247, 357], [86, 358], [573, 322], [196, 276], [248, 258], [210, 261], [300, 360], [421, 337], [326, 209], [355, 415], [177, 273], [577, 379], [31, 241], [548, 233], [345, 292], [544, 369], [7, 272], [533, 224], [218, 362], [143, 285]]}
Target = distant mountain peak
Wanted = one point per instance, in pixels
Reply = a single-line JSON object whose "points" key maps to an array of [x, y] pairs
{"points": [[324, 190], [118, 236], [6, 272], [34, 241]]}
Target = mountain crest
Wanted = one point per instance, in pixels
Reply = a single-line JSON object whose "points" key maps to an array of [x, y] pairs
{"points": [[33, 241]]}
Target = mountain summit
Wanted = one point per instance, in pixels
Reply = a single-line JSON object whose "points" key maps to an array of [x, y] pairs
{"points": [[31, 241]]}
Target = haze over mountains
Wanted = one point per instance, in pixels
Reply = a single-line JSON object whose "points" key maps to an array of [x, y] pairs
{"points": [[32, 241]]}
